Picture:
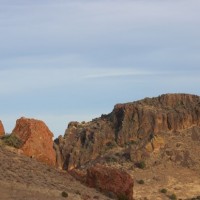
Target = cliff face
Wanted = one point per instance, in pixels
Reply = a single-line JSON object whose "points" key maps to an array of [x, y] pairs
{"points": [[138, 122], [172, 112], [37, 139]]}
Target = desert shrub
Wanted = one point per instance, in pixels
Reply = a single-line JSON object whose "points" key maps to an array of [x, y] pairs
{"points": [[122, 197], [64, 194], [126, 156], [78, 192], [141, 182], [111, 159], [12, 140], [141, 165], [110, 145], [173, 197], [163, 190], [195, 198]]}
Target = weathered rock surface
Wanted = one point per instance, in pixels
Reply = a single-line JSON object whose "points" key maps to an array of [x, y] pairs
{"points": [[37, 140], [141, 123], [110, 180], [2, 131]]}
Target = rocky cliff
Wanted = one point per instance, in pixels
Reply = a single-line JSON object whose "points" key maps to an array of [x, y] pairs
{"points": [[37, 139], [2, 131], [142, 123]]}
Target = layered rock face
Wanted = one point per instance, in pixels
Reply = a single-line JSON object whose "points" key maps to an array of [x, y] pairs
{"points": [[138, 122], [37, 139], [2, 131], [109, 180]]}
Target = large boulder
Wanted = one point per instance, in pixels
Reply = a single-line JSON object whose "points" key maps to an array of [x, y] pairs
{"points": [[110, 180], [2, 131], [37, 140]]}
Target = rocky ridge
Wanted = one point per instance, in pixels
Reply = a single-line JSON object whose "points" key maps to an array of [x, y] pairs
{"points": [[138, 125]]}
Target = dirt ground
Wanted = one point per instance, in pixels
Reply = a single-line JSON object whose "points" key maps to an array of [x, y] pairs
{"points": [[175, 167], [23, 178], [184, 183]]}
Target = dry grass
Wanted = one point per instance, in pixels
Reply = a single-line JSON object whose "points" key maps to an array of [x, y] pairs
{"points": [[23, 178]]}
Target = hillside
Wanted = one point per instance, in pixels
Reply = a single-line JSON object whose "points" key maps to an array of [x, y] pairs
{"points": [[161, 135], [23, 178], [142, 150]]}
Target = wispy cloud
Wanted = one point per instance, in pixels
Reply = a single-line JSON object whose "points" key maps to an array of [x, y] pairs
{"points": [[117, 72], [22, 80]]}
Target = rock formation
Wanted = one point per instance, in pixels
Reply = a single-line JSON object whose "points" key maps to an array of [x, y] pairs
{"points": [[110, 180], [142, 122], [2, 131], [37, 140]]}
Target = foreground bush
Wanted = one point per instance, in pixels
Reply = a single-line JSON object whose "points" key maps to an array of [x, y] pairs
{"points": [[12, 140]]}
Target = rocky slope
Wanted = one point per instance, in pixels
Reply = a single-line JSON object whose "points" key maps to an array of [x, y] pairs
{"points": [[136, 129], [155, 140], [153, 144], [23, 178]]}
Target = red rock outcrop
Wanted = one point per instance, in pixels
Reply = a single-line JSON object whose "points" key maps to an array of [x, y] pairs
{"points": [[132, 123], [108, 179], [37, 139], [2, 131]]}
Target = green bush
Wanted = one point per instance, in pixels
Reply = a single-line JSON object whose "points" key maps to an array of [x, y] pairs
{"points": [[141, 165], [173, 197], [12, 140], [141, 182], [64, 194], [163, 190]]}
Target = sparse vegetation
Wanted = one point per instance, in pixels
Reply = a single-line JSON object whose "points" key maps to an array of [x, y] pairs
{"points": [[173, 197], [194, 198], [12, 140], [141, 165], [110, 145], [111, 159], [78, 192], [164, 191], [64, 194], [141, 182]]}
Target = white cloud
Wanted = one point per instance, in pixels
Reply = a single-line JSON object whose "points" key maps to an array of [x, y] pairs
{"points": [[22, 80]]}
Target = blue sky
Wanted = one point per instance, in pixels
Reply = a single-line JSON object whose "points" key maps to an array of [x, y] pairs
{"points": [[67, 60]]}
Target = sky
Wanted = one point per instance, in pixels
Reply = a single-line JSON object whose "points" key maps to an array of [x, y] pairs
{"points": [[73, 60]]}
